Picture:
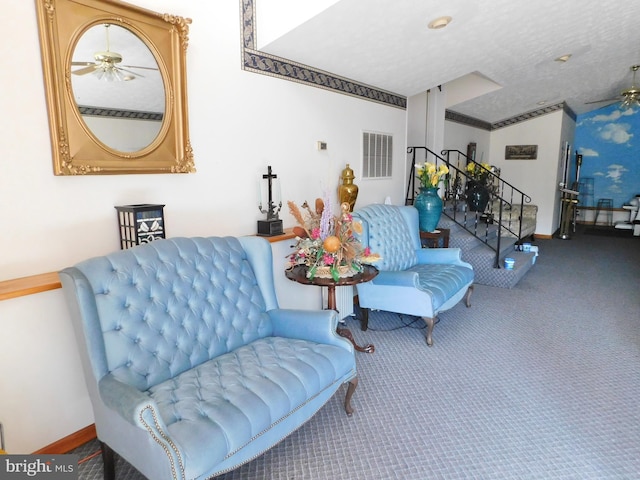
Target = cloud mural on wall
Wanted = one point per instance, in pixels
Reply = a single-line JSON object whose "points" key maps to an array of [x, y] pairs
{"points": [[588, 152], [605, 138], [616, 172], [616, 132], [613, 116]]}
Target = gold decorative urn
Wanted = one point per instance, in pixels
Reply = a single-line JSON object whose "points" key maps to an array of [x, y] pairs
{"points": [[348, 191]]}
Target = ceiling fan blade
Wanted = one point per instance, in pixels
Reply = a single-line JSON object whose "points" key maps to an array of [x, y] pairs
{"points": [[129, 71], [83, 71], [84, 64], [138, 67], [602, 101]]}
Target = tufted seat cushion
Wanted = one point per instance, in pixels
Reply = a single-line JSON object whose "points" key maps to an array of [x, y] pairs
{"points": [[442, 281], [219, 406]]}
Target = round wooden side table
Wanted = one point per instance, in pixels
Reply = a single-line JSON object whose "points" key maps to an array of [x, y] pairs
{"points": [[299, 274]]}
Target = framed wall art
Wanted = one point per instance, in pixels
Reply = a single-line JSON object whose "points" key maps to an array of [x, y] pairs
{"points": [[521, 152]]}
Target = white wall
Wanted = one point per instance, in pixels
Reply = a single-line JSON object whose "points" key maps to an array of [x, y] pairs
{"points": [[457, 136], [537, 178], [240, 122], [417, 120]]}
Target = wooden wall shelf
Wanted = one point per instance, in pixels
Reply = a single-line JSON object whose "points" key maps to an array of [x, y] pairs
{"points": [[19, 287]]}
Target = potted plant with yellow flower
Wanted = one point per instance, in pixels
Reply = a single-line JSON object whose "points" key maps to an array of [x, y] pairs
{"points": [[428, 202], [477, 186]]}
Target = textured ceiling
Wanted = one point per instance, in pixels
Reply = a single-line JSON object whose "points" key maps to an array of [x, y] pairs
{"points": [[386, 44]]}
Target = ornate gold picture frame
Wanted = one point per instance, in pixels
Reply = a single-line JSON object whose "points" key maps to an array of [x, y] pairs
{"points": [[116, 88]]}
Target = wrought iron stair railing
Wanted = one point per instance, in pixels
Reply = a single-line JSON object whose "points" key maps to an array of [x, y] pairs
{"points": [[488, 226]]}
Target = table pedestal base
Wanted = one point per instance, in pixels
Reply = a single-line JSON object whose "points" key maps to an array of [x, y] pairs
{"points": [[346, 333], [368, 272]]}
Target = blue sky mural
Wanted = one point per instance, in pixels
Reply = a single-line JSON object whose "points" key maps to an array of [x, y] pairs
{"points": [[609, 141]]}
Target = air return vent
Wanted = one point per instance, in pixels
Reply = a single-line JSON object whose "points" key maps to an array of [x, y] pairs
{"points": [[377, 158]]}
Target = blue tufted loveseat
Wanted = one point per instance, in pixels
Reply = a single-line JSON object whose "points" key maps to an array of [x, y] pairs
{"points": [[191, 367]]}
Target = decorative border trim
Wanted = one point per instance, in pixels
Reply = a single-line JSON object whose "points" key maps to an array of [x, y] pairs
{"points": [[474, 122], [113, 112], [466, 120], [533, 114], [256, 61]]}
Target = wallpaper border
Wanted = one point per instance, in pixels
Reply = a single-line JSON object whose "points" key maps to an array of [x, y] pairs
{"points": [[256, 61], [474, 122], [120, 113]]}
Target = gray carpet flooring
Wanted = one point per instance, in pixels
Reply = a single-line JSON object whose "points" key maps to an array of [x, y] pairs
{"points": [[541, 381]]}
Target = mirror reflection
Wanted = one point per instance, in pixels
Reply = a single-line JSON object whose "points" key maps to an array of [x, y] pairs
{"points": [[117, 87]]}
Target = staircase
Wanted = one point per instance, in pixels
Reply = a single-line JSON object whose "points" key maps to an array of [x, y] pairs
{"points": [[480, 235], [483, 257]]}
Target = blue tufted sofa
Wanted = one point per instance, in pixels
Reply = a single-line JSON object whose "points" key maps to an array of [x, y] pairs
{"points": [[191, 367]]}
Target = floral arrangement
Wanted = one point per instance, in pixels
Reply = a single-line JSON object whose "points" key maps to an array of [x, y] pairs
{"points": [[479, 172], [430, 175], [325, 243]]}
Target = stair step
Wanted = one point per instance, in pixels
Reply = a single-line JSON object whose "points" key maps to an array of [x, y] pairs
{"points": [[483, 260], [506, 245], [470, 222], [482, 257]]}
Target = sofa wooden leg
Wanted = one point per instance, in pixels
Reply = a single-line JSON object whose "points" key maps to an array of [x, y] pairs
{"points": [[430, 323], [109, 461], [353, 383], [467, 297], [364, 320]]}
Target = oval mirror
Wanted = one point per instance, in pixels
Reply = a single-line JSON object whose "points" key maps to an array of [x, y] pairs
{"points": [[118, 87], [115, 76]]}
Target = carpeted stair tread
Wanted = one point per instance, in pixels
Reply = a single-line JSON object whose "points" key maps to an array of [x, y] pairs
{"points": [[482, 257], [460, 238]]}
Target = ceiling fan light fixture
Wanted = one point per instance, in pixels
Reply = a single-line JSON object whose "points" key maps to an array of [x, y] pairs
{"points": [[631, 95], [631, 100], [563, 58], [439, 22], [109, 74]]}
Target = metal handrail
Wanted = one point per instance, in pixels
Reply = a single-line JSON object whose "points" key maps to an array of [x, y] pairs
{"points": [[526, 198], [478, 223]]}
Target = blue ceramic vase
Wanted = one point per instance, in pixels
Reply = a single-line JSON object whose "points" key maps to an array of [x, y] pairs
{"points": [[429, 205]]}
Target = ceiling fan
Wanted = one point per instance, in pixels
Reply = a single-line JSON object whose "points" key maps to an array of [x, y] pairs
{"points": [[629, 97], [106, 65]]}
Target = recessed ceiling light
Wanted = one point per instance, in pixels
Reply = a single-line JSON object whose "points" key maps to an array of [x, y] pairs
{"points": [[563, 58], [542, 102], [439, 22]]}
